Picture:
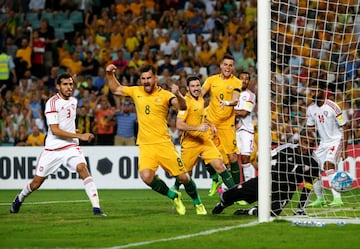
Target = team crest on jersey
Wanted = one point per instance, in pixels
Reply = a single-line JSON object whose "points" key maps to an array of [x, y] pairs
{"points": [[326, 113], [158, 100], [229, 88]]}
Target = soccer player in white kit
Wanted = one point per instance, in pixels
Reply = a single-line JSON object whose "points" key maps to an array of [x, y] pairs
{"points": [[326, 117], [61, 145], [245, 126]]}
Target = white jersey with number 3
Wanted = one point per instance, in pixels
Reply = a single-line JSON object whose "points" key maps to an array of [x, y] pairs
{"points": [[328, 120], [62, 112]]}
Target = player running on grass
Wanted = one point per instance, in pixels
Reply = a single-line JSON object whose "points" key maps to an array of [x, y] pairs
{"points": [[326, 117], [197, 134], [292, 164], [61, 145], [224, 90], [155, 147]]}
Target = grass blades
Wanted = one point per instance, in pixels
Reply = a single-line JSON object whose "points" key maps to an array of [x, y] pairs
{"points": [[145, 219]]}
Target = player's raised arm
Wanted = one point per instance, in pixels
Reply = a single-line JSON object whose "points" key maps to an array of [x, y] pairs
{"points": [[179, 102], [114, 85]]}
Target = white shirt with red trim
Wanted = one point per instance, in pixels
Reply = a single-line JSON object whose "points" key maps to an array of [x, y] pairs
{"points": [[62, 112], [246, 102], [328, 120]]}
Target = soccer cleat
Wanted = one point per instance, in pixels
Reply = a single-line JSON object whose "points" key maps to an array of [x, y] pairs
{"points": [[98, 212], [253, 211], [337, 202], [320, 202], [200, 209], [179, 205], [15, 205], [214, 187]]}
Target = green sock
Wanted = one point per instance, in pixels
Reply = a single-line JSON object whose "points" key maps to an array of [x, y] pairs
{"points": [[212, 172], [227, 178], [177, 184], [191, 190], [235, 172], [160, 186]]}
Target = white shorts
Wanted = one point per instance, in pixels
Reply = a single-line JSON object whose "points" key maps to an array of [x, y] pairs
{"points": [[50, 161], [245, 142], [329, 152]]}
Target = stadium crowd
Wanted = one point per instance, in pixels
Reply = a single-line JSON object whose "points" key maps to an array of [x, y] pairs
{"points": [[40, 39]]}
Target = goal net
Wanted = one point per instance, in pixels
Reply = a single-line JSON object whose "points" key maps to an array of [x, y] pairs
{"points": [[313, 40]]}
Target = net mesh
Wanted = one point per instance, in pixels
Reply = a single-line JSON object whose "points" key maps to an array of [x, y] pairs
{"points": [[317, 40]]}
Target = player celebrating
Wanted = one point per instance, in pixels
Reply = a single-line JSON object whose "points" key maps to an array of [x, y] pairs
{"points": [[326, 117], [291, 165], [245, 126], [196, 139], [61, 145], [155, 147], [224, 90]]}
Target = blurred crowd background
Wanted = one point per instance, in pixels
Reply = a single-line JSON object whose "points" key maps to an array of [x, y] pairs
{"points": [[40, 39]]}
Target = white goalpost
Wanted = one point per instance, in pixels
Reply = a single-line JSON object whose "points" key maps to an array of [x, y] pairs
{"points": [[300, 41]]}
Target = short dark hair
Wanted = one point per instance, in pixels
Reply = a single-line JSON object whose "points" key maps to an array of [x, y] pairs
{"points": [[63, 76], [319, 83], [191, 78], [228, 57], [147, 68]]}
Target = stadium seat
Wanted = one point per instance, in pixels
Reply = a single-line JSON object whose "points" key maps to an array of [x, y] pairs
{"points": [[76, 17], [67, 26]]}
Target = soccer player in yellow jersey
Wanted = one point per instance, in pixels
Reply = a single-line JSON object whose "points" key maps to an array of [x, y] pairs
{"points": [[155, 147], [224, 90], [197, 135]]}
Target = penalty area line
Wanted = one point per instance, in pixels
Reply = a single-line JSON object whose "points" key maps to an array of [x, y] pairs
{"points": [[187, 236]]}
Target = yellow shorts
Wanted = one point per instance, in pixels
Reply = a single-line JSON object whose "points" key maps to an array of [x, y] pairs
{"points": [[151, 156], [206, 150], [228, 140], [219, 146]]}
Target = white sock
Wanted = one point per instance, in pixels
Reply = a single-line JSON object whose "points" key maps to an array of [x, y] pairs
{"points": [[25, 192], [330, 174], [249, 171], [318, 189], [92, 192]]}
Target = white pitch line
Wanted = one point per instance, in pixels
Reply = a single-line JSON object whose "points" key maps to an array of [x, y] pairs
{"points": [[45, 202], [208, 232]]}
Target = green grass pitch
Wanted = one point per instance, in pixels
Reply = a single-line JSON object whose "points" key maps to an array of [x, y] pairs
{"points": [[145, 219]]}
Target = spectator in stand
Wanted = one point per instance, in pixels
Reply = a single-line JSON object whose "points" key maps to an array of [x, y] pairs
{"points": [[104, 118], [203, 56], [99, 81], [47, 32], [38, 52], [50, 80], [8, 76], [90, 66], [135, 61], [166, 65], [174, 131], [126, 125], [116, 37], [84, 123], [10, 47], [21, 136], [74, 64], [9, 128], [36, 138], [23, 54], [121, 63], [168, 46]]}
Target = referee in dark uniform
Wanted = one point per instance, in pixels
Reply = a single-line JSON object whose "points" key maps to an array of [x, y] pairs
{"points": [[292, 164]]}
